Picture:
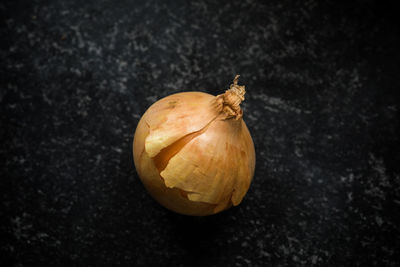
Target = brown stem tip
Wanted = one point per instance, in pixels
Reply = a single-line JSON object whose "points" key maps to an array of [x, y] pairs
{"points": [[232, 98]]}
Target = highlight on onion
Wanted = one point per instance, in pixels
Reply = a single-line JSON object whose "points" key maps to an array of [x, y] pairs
{"points": [[194, 153]]}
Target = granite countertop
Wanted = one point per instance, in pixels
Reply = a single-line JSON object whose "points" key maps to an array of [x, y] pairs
{"points": [[322, 106]]}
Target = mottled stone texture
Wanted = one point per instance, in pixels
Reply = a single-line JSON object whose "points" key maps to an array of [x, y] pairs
{"points": [[321, 78]]}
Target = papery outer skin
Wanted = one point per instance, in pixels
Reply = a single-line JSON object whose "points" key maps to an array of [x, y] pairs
{"points": [[191, 112], [211, 172], [212, 165]]}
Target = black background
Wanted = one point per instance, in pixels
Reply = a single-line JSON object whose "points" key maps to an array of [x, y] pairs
{"points": [[322, 106]]}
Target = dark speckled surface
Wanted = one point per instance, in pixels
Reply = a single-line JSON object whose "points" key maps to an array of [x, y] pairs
{"points": [[322, 106]]}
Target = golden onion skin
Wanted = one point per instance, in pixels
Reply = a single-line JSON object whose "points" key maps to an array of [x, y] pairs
{"points": [[191, 157]]}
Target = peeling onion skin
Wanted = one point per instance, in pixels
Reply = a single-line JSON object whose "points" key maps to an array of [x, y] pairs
{"points": [[194, 153]]}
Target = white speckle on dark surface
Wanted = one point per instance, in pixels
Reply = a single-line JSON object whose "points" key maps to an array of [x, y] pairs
{"points": [[321, 104]]}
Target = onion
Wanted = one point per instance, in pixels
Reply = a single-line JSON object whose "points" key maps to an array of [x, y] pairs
{"points": [[194, 153]]}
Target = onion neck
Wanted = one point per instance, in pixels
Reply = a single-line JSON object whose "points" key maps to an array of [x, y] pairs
{"points": [[231, 100]]}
